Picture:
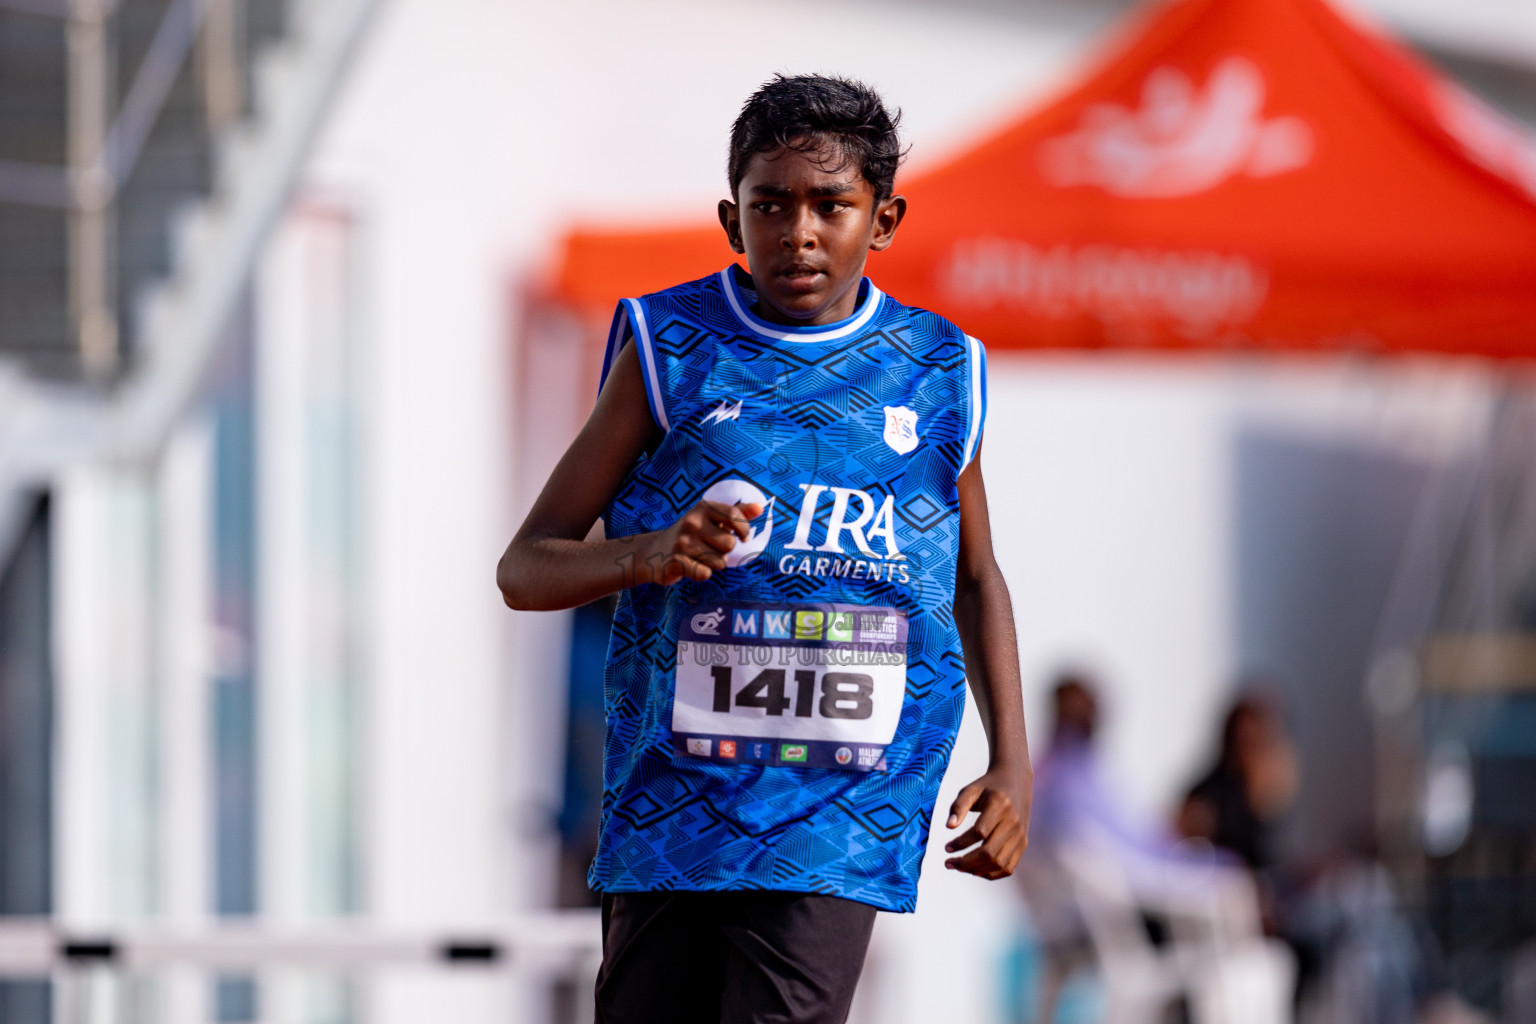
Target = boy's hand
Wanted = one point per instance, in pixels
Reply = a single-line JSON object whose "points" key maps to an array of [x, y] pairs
{"points": [[1002, 797], [695, 546]]}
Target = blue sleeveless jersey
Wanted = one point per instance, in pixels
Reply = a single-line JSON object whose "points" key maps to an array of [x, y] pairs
{"points": [[785, 725]]}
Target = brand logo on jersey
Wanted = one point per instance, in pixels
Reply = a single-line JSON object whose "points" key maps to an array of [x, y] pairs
{"points": [[869, 756], [708, 623], [699, 748], [792, 752], [854, 519], [870, 524], [900, 428], [734, 491], [727, 748], [726, 410], [843, 755]]}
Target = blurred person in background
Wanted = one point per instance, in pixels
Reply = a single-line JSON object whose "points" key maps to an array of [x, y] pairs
{"points": [[1235, 804], [755, 817], [1360, 956], [1083, 836], [1071, 795], [1067, 785]]}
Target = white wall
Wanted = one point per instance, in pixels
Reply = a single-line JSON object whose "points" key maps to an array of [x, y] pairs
{"points": [[1108, 484]]}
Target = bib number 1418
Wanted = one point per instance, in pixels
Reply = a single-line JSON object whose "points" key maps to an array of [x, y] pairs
{"points": [[805, 686], [839, 695]]}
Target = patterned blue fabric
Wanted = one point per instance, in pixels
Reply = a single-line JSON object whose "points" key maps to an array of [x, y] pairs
{"points": [[879, 412]]}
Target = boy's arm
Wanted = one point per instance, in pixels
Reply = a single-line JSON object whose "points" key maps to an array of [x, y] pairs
{"points": [[549, 564], [984, 616]]}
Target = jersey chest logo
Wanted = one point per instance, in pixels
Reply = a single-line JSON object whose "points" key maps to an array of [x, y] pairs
{"points": [[900, 428]]}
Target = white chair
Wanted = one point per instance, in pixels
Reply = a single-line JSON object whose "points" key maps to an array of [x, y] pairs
{"points": [[1216, 954]]}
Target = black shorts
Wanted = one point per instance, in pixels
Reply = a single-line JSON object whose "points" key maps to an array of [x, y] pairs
{"points": [[730, 957]]}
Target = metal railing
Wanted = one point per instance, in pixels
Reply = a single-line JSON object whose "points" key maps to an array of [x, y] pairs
{"points": [[556, 941]]}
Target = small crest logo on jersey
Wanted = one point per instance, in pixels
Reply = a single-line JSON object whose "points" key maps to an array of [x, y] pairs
{"points": [[792, 752], [727, 748], [700, 748], [900, 428], [760, 751], [843, 755], [708, 623]]}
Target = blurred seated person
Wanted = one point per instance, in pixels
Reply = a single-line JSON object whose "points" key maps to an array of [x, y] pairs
{"points": [[1254, 779], [1077, 820], [1067, 787], [1235, 804], [1358, 954], [1072, 802]]}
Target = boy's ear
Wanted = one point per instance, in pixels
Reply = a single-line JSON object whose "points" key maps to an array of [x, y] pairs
{"points": [[888, 217], [730, 219]]}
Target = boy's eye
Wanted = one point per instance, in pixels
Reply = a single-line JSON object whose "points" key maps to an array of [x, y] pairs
{"points": [[766, 208], [833, 206]]}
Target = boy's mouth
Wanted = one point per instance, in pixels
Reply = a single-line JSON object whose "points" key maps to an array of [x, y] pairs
{"points": [[801, 278]]}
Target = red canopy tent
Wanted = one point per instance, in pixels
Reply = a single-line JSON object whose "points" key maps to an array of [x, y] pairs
{"points": [[1243, 174]]}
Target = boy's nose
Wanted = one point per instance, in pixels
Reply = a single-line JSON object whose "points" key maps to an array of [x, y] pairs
{"points": [[799, 233]]}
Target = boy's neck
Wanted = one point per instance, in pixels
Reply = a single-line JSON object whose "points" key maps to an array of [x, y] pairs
{"points": [[763, 310]]}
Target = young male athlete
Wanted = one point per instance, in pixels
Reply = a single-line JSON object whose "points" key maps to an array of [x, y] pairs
{"points": [[786, 463]]}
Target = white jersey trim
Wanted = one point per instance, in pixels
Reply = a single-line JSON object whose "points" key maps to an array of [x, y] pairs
{"points": [[648, 362], [978, 394]]}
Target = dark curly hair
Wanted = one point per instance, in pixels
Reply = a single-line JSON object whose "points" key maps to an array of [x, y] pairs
{"points": [[804, 112]]}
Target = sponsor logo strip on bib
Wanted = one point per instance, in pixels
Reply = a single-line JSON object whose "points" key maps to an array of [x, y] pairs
{"points": [[803, 685]]}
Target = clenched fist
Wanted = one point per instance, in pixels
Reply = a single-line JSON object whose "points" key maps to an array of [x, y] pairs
{"points": [[695, 546]]}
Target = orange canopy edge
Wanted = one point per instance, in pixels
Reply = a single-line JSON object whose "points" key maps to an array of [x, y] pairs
{"points": [[1240, 174]]}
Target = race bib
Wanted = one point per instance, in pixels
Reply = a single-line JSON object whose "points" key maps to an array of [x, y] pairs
{"points": [[811, 686]]}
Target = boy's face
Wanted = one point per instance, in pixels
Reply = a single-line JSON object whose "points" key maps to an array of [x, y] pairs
{"points": [[806, 222]]}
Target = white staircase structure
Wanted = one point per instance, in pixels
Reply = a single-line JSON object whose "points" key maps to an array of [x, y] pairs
{"points": [[127, 377]]}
